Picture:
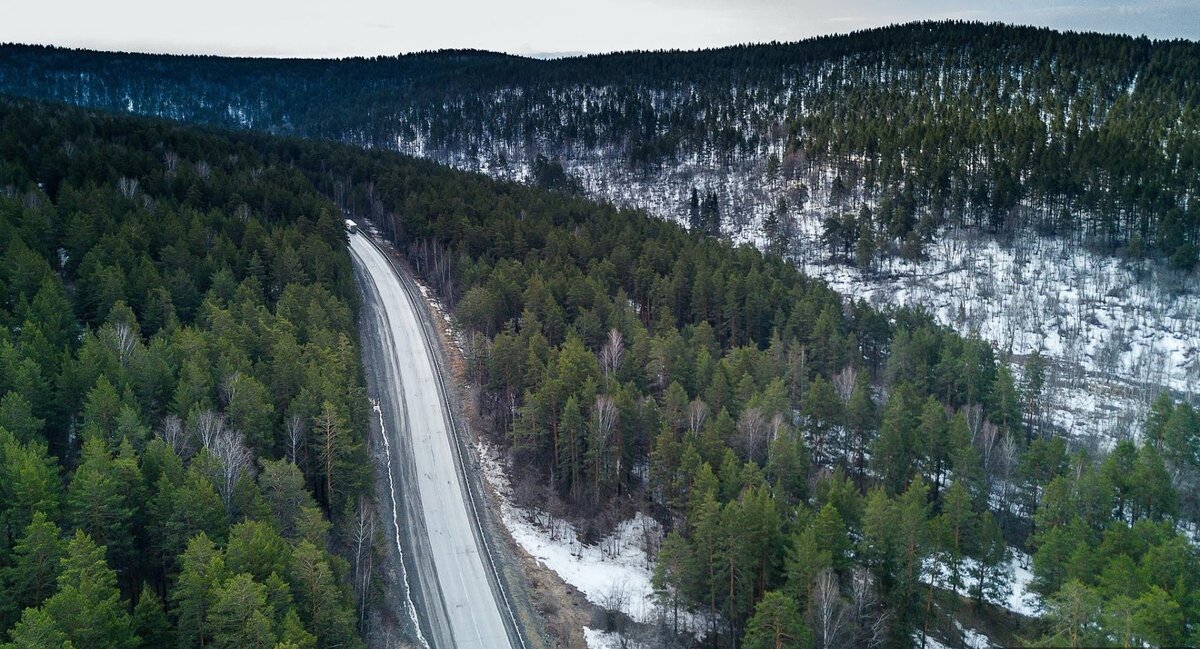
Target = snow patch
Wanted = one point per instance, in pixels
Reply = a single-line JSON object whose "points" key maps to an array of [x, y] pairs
{"points": [[597, 639], [1017, 597], [615, 571], [613, 574]]}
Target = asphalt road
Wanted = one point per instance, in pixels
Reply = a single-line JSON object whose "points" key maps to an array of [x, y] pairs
{"points": [[454, 590]]}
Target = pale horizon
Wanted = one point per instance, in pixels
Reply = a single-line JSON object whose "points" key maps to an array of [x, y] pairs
{"points": [[537, 28]]}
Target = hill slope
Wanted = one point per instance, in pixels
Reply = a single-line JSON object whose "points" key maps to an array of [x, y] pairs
{"points": [[886, 161]]}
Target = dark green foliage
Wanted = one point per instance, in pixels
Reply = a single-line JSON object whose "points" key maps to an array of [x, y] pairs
{"points": [[35, 568], [87, 607], [1098, 130], [210, 296], [604, 343], [776, 625], [150, 621]]}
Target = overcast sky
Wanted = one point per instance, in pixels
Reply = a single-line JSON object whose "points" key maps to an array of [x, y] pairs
{"points": [[311, 28]]}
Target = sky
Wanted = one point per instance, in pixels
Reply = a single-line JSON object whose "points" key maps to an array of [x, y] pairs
{"points": [[336, 28]]}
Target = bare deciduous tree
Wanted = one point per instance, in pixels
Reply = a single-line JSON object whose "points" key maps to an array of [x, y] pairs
{"points": [[230, 387], [696, 416], [752, 433], [867, 612], [127, 186], [236, 460], [362, 537], [1005, 467], [987, 444], [126, 338], [604, 424], [207, 426], [829, 612], [614, 601], [329, 433], [845, 381], [612, 353], [173, 434], [778, 426], [294, 430]]}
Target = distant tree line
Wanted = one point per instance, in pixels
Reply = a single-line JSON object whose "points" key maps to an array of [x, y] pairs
{"points": [[936, 122]]}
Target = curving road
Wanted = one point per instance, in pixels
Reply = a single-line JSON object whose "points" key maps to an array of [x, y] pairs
{"points": [[451, 590]]}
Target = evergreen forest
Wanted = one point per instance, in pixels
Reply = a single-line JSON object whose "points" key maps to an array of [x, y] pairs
{"points": [[984, 125], [184, 427]]}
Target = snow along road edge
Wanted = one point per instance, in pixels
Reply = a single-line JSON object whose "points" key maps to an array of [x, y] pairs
{"points": [[455, 575]]}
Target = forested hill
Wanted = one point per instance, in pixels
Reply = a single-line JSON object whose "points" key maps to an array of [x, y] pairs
{"points": [[181, 401], [931, 123], [181, 413]]}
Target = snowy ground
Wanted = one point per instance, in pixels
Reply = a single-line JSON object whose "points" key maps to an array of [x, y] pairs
{"points": [[1114, 333], [971, 640], [597, 639], [613, 574], [1017, 598], [1113, 340]]}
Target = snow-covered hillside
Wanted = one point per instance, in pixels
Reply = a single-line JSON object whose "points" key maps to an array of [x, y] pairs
{"points": [[1115, 339], [1114, 332]]}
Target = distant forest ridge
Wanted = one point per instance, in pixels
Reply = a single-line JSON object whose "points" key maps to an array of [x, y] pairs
{"points": [[980, 124]]}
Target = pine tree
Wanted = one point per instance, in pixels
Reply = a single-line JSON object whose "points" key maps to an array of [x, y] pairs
{"points": [[88, 607], [831, 536], [96, 500], [1073, 614], [150, 621], [202, 571], [323, 607], [184, 510], [860, 418], [895, 545], [1181, 437], [292, 633], [992, 568], [240, 616], [823, 410], [29, 483], [283, 489], [895, 451], [776, 625], [1158, 618], [38, 630], [1153, 495], [35, 567], [934, 441], [865, 247], [672, 575], [571, 448], [257, 549], [955, 531], [16, 416], [787, 467], [1006, 404]]}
